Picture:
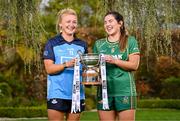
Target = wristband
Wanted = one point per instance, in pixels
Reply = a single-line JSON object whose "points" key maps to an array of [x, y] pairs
{"points": [[64, 64]]}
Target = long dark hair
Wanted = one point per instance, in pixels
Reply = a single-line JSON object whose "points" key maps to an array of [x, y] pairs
{"points": [[123, 38]]}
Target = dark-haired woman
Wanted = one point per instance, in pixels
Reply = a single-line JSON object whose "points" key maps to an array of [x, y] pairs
{"points": [[122, 57]]}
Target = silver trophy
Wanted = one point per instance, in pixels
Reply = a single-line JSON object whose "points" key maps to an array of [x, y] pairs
{"points": [[90, 64]]}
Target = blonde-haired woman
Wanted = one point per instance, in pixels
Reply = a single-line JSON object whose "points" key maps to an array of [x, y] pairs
{"points": [[59, 58]]}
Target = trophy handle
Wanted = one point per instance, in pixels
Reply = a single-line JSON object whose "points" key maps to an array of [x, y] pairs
{"points": [[99, 60], [79, 52]]}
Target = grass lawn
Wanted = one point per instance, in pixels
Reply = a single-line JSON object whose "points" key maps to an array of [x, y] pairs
{"points": [[158, 115], [141, 115]]}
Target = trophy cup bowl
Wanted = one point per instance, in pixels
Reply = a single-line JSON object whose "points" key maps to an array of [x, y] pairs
{"points": [[90, 74], [90, 60]]}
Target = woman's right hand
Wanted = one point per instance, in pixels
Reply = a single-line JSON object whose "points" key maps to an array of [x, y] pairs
{"points": [[110, 59], [70, 63]]}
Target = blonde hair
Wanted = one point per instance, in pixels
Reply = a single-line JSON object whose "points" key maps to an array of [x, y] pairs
{"points": [[60, 14]]}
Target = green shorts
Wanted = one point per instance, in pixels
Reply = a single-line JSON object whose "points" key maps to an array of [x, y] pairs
{"points": [[119, 103]]}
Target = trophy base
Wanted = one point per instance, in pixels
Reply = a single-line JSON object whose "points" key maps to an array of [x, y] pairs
{"points": [[91, 83]]}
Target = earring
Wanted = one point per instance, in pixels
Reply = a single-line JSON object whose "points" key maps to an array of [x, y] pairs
{"points": [[60, 29], [121, 28]]}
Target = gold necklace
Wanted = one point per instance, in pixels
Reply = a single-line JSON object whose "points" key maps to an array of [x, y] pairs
{"points": [[112, 45]]}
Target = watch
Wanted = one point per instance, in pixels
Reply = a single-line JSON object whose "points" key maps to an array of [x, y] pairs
{"points": [[64, 64]]}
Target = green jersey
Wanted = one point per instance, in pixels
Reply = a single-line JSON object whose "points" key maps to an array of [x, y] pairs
{"points": [[120, 82]]}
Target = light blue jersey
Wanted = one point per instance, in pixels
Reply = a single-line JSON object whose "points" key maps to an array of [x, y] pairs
{"points": [[57, 49]]}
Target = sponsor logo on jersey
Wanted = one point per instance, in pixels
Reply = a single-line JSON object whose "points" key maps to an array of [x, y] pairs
{"points": [[117, 56]]}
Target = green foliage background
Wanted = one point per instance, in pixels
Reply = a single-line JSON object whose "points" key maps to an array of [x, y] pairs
{"points": [[24, 29]]}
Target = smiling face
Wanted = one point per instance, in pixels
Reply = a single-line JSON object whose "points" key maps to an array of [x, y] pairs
{"points": [[111, 25], [68, 24]]}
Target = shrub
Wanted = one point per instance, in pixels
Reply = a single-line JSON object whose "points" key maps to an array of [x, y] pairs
{"points": [[41, 111], [170, 88], [23, 112], [154, 103], [20, 102], [5, 90]]}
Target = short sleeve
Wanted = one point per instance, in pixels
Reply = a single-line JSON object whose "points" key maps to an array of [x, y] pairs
{"points": [[48, 52], [133, 45]]}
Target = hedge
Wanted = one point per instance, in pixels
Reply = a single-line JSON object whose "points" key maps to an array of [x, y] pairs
{"points": [[40, 111], [16, 112], [159, 103]]}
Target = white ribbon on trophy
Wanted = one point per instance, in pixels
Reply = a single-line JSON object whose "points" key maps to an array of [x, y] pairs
{"points": [[76, 87], [104, 82]]}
